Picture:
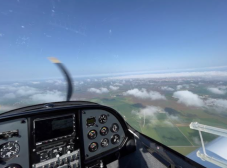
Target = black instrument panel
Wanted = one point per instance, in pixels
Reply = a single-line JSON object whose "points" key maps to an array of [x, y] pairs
{"points": [[105, 133], [55, 127], [61, 136]]}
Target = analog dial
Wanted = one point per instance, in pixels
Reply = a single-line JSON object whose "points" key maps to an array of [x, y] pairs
{"points": [[103, 119], [115, 139], [93, 147], [92, 134], [9, 150], [104, 131], [114, 128], [104, 142]]}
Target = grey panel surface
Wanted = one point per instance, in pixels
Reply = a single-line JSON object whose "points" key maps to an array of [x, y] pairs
{"points": [[111, 119], [140, 158], [22, 139]]}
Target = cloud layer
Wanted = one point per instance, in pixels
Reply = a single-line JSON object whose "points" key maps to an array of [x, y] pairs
{"points": [[191, 99], [13, 91], [98, 91], [150, 110], [144, 94], [114, 87], [188, 98], [48, 96], [217, 90], [166, 88], [213, 74], [217, 104], [31, 93]]}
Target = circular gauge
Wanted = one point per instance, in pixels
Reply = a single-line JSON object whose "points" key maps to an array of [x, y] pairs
{"points": [[103, 119], [104, 142], [93, 147], [104, 131], [9, 150], [115, 139], [114, 127], [92, 134]]}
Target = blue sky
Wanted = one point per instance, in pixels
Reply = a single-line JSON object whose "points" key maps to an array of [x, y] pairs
{"points": [[110, 36]]}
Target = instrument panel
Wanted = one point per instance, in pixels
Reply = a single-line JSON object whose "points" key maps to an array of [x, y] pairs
{"points": [[14, 143], [71, 137], [101, 132]]}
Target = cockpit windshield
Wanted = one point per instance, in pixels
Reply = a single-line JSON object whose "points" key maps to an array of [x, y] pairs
{"points": [[161, 63]]}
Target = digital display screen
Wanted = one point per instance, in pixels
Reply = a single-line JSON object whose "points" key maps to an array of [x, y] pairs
{"points": [[91, 121], [53, 128]]}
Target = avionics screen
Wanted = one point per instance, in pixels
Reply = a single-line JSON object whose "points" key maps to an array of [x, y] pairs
{"points": [[53, 128]]}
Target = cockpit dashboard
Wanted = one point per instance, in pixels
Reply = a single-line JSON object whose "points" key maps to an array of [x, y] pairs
{"points": [[63, 135]]}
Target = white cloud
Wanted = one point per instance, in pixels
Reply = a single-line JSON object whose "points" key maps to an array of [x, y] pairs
{"points": [[118, 84], [188, 98], [16, 84], [144, 94], [179, 87], [134, 111], [114, 87], [56, 82], [48, 96], [9, 96], [172, 117], [19, 90], [167, 88], [218, 104], [150, 111], [99, 91], [35, 82], [217, 90], [50, 81], [26, 91], [212, 74]]}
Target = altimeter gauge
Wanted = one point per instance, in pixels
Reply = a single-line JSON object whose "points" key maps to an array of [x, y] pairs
{"points": [[9, 150]]}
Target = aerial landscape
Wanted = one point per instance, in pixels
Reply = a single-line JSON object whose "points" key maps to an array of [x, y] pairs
{"points": [[161, 64], [161, 108]]}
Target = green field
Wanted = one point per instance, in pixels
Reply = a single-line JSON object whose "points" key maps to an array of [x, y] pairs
{"points": [[193, 136], [171, 136], [173, 133], [184, 150]]}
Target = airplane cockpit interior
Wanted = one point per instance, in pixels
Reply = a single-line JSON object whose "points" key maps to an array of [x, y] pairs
{"points": [[145, 84], [78, 134]]}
